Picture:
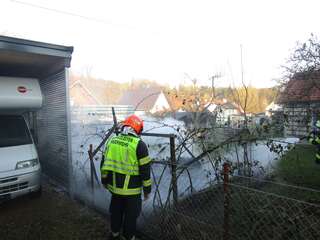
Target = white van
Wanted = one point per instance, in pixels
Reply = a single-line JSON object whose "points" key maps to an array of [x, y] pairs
{"points": [[20, 171]]}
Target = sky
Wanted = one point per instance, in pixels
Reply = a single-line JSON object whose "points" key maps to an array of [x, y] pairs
{"points": [[169, 41]]}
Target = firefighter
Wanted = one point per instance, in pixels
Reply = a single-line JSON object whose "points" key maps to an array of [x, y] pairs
{"points": [[125, 172], [314, 138]]}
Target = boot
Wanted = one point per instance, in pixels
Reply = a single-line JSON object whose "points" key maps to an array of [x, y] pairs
{"points": [[114, 236], [132, 238]]}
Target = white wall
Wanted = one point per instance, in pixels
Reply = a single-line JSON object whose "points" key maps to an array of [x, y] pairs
{"points": [[160, 104]]}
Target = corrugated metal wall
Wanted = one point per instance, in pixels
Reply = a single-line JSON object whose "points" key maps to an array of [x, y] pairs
{"points": [[52, 129]]}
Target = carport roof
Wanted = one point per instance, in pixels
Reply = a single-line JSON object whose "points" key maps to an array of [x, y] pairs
{"points": [[26, 58]]}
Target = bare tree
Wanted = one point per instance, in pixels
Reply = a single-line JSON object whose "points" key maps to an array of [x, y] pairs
{"points": [[197, 104], [303, 64], [305, 58]]}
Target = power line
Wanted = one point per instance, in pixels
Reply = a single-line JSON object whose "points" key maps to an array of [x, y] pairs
{"points": [[68, 13], [88, 18]]}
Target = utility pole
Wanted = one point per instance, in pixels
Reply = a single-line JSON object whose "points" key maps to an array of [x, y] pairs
{"points": [[241, 63], [217, 75]]}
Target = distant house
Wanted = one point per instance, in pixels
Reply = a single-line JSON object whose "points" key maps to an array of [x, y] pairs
{"points": [[86, 105], [214, 105], [105, 91], [229, 113], [195, 119], [259, 118], [150, 100], [80, 95], [272, 108], [301, 103], [226, 113]]}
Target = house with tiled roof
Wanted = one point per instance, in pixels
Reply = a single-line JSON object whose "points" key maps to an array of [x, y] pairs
{"points": [[80, 95], [301, 103], [145, 100], [105, 91], [90, 99], [228, 113]]}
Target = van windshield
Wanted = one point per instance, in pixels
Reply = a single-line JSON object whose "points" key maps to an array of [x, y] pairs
{"points": [[13, 131]]}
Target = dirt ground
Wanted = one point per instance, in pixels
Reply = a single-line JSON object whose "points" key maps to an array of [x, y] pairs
{"points": [[52, 216]]}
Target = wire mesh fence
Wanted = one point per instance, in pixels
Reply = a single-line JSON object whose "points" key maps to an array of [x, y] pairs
{"points": [[194, 217], [239, 208], [256, 214], [194, 199]]}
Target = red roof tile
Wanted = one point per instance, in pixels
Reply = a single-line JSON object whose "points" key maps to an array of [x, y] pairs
{"points": [[302, 88]]}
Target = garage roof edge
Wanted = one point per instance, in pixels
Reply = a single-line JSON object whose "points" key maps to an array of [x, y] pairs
{"points": [[29, 46]]}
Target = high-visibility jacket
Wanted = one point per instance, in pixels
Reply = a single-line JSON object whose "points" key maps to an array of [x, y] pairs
{"points": [[123, 168], [314, 138]]}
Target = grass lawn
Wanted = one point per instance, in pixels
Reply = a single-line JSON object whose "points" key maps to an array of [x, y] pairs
{"points": [[298, 167]]}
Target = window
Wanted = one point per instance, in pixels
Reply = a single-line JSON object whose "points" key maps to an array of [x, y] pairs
{"points": [[13, 131]]}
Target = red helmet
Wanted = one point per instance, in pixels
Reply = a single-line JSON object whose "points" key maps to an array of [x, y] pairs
{"points": [[135, 123]]}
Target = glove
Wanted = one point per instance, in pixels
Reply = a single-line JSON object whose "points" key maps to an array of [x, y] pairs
{"points": [[104, 181]]}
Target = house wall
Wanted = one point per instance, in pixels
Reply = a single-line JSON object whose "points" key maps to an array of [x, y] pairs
{"points": [[161, 104], [299, 118], [226, 115]]}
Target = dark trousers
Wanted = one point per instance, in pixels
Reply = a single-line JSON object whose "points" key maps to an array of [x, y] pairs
{"points": [[124, 212]]}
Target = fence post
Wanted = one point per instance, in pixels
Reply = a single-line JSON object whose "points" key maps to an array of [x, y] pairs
{"points": [[174, 169], [90, 152], [115, 123], [226, 170]]}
